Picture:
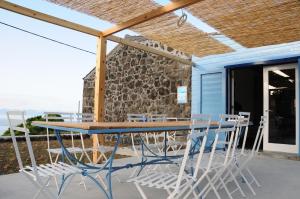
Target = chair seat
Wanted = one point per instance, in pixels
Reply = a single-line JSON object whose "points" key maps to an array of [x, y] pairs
{"points": [[70, 149], [55, 169], [102, 149], [159, 180], [172, 143]]}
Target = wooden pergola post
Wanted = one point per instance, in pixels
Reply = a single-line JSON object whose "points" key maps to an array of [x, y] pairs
{"points": [[99, 90]]}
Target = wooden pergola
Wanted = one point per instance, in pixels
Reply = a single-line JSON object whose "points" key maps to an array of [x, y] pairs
{"points": [[250, 23]]}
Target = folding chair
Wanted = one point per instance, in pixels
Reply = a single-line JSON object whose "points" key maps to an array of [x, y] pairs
{"points": [[242, 168], [175, 182], [158, 137], [65, 117], [215, 164], [175, 141], [89, 117], [102, 149], [135, 137], [38, 175]]}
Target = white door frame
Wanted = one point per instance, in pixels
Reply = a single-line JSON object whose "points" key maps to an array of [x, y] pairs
{"points": [[274, 146]]}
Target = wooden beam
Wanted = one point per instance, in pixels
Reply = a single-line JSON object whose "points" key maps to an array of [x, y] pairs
{"points": [[148, 49], [48, 18], [149, 15], [84, 29], [99, 90]]}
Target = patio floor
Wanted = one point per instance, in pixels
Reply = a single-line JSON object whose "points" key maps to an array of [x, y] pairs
{"points": [[279, 178]]}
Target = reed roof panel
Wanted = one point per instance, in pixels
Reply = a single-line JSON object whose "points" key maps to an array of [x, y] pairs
{"points": [[187, 38], [252, 23]]}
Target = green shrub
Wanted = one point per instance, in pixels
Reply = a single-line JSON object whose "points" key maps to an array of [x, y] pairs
{"points": [[34, 130]]}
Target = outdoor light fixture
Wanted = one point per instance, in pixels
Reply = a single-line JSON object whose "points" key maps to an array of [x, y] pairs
{"points": [[182, 19], [279, 72]]}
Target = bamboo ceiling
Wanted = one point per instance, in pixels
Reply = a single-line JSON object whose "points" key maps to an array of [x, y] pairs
{"points": [[187, 38], [252, 23]]}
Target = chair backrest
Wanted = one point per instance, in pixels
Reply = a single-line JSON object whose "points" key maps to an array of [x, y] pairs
{"points": [[136, 117], [15, 119], [64, 116], [259, 135], [84, 117], [243, 124], [227, 127], [199, 129], [157, 118]]}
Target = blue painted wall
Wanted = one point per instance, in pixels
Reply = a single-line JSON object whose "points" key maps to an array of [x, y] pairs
{"points": [[299, 101], [209, 74], [209, 91]]}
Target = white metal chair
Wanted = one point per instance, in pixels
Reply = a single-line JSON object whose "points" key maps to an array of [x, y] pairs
{"points": [[175, 141], [102, 149], [244, 125], [241, 168], [65, 117], [214, 165], [158, 137], [89, 117], [174, 183], [38, 175], [135, 137]]}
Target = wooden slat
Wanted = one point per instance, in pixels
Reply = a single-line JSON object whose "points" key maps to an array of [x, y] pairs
{"points": [[149, 15], [117, 125], [148, 49], [252, 23], [48, 18]]}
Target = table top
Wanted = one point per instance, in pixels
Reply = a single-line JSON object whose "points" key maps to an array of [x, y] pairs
{"points": [[110, 127]]}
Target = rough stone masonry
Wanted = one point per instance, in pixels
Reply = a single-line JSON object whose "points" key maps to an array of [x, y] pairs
{"points": [[140, 82]]}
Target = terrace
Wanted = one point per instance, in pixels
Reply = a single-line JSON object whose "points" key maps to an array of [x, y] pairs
{"points": [[279, 178], [180, 102]]}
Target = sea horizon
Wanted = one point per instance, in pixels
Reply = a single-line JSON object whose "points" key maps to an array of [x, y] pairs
{"points": [[4, 122]]}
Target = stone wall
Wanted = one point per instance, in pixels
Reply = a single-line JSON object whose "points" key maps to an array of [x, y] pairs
{"points": [[140, 82]]}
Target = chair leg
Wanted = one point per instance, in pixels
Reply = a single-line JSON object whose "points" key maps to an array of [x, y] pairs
{"points": [[41, 190], [140, 190], [47, 194], [213, 187], [102, 181], [226, 189], [253, 177], [247, 183], [82, 182], [65, 187], [237, 184]]}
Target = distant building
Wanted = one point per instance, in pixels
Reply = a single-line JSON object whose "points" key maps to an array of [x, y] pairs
{"points": [[140, 82]]}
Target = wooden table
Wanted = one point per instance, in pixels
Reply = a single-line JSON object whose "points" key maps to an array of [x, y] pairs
{"points": [[117, 128]]}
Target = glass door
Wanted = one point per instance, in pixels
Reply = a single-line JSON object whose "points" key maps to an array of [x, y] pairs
{"points": [[281, 107]]}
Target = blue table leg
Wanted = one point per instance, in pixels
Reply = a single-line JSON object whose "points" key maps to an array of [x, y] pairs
{"points": [[110, 170], [165, 147]]}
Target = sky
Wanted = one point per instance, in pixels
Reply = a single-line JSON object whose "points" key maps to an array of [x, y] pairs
{"points": [[37, 74]]}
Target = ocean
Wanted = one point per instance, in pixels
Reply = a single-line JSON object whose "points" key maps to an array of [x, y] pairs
{"points": [[3, 124], [3, 120]]}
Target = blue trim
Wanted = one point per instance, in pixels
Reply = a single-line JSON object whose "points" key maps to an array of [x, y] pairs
{"points": [[299, 105], [269, 62]]}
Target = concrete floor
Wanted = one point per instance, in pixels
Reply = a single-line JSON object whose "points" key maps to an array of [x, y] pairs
{"points": [[279, 178]]}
